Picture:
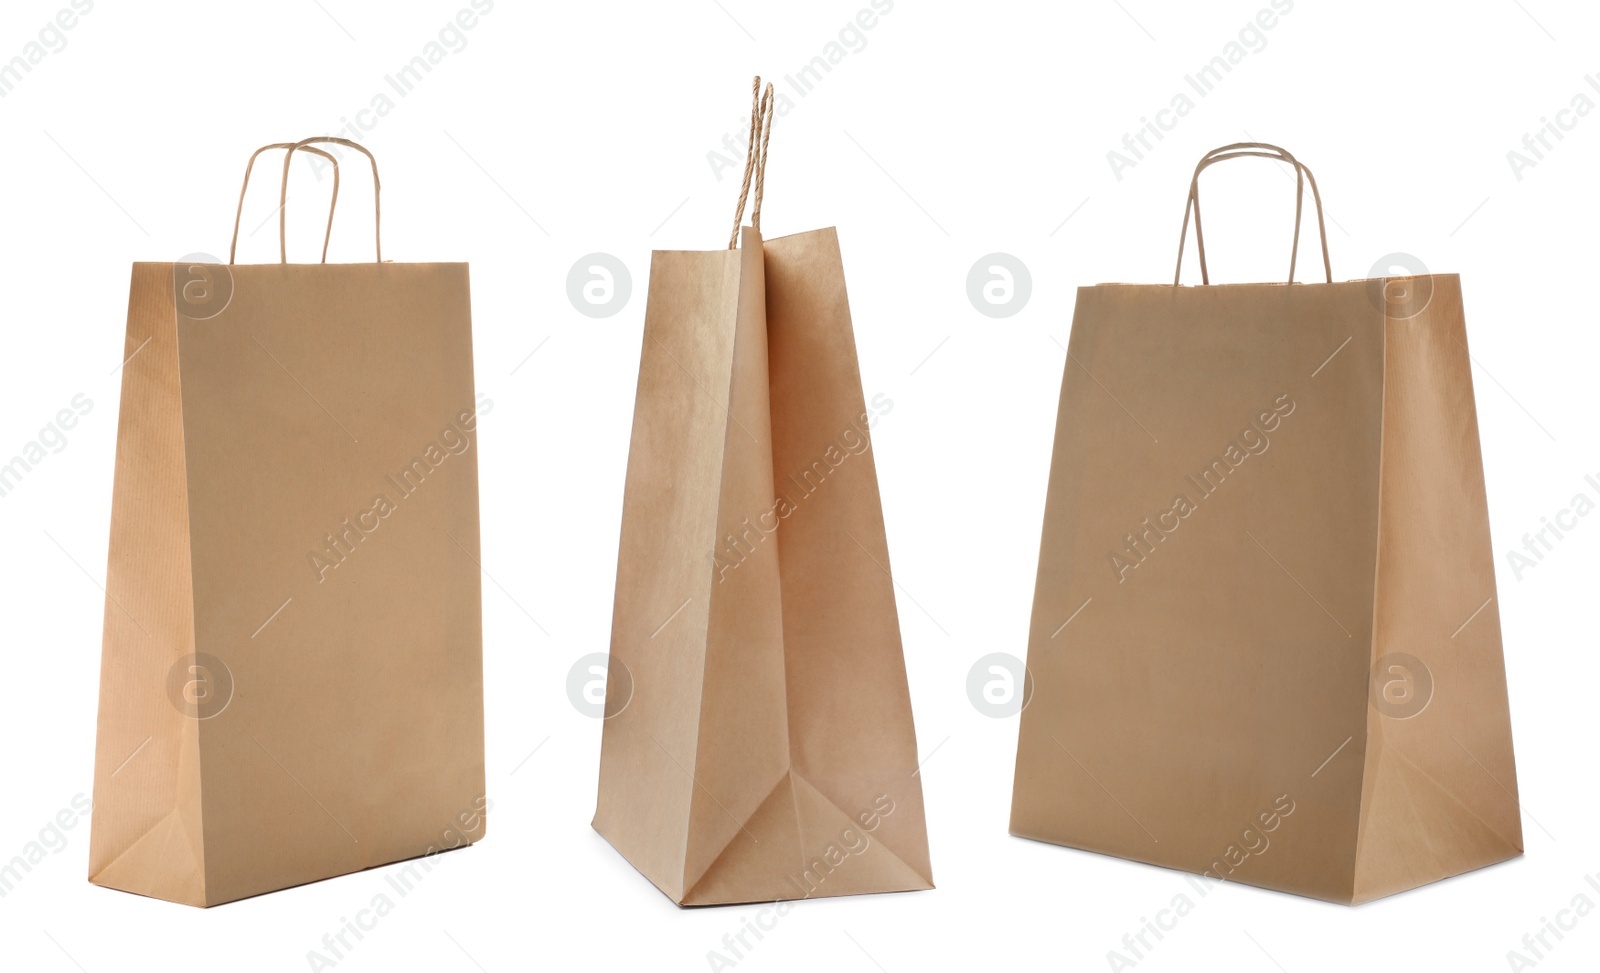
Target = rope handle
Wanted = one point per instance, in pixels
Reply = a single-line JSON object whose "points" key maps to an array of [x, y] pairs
{"points": [[233, 246], [755, 161], [1263, 150], [283, 195]]}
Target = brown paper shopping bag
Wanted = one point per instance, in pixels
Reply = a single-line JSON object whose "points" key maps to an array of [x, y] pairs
{"points": [[758, 744], [1265, 646], [291, 685]]}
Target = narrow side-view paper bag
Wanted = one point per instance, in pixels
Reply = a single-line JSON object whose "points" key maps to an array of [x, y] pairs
{"points": [[759, 743]]}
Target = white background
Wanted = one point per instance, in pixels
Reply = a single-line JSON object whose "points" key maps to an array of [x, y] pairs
{"points": [[957, 131]]}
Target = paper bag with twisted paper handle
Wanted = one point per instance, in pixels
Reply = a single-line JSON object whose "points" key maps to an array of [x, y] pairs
{"points": [[291, 685], [758, 743], [1265, 646]]}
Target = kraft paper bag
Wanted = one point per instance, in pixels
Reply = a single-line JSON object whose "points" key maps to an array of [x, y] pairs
{"points": [[291, 684], [1265, 646], [758, 744]]}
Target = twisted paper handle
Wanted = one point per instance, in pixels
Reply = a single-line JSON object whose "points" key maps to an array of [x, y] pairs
{"points": [[755, 160], [1265, 151], [233, 247], [283, 195]]}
